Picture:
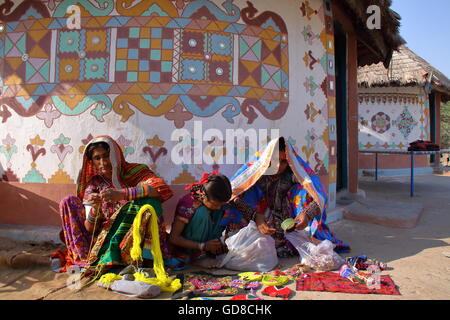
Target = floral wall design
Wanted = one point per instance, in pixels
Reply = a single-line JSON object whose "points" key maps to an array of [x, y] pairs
{"points": [[138, 70], [392, 118]]}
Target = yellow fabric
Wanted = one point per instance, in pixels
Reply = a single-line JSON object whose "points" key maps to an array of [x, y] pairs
{"points": [[109, 278], [166, 284], [162, 280], [269, 280], [251, 276]]}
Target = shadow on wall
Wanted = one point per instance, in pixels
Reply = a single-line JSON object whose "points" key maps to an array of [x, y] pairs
{"points": [[390, 244], [36, 204], [32, 204]]}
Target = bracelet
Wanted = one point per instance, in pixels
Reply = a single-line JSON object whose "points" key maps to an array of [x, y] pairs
{"points": [[137, 192], [312, 210], [93, 215], [201, 246]]}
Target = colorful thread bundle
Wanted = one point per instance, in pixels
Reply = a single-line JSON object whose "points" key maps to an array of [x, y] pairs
{"points": [[108, 278], [161, 280]]}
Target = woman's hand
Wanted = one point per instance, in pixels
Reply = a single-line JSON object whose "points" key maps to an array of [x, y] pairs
{"points": [[233, 227], [214, 246], [112, 195], [301, 222], [94, 198], [262, 225]]}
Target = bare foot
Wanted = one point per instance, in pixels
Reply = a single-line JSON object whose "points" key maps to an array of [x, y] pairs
{"points": [[26, 260], [208, 263]]}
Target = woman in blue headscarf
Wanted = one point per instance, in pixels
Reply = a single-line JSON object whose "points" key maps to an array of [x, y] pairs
{"points": [[276, 186]]}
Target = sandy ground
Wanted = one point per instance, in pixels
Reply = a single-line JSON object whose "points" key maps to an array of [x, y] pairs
{"points": [[417, 257]]}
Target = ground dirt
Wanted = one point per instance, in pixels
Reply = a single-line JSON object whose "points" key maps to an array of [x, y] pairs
{"points": [[419, 258]]}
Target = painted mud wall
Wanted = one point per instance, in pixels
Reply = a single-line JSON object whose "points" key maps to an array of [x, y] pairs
{"points": [[390, 118], [139, 70]]}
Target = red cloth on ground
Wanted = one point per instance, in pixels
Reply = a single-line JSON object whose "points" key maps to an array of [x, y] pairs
{"points": [[245, 297], [64, 259], [274, 291], [333, 282]]}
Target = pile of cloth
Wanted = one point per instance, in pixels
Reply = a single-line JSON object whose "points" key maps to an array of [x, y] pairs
{"points": [[241, 287], [357, 274], [351, 278], [420, 145]]}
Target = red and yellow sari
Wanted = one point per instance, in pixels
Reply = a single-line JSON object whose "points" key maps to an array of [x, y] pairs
{"points": [[116, 217]]}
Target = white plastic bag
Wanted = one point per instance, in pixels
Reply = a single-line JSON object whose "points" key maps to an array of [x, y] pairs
{"points": [[250, 250], [320, 257]]}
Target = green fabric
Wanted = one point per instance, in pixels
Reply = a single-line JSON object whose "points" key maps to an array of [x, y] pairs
{"points": [[109, 253], [204, 226]]}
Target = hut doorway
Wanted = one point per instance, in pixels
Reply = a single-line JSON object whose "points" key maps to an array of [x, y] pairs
{"points": [[340, 46]]}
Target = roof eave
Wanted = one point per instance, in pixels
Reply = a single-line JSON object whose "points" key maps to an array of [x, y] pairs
{"points": [[380, 42]]}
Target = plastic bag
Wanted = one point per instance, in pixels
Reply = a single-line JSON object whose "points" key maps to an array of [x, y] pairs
{"points": [[320, 257], [250, 250]]}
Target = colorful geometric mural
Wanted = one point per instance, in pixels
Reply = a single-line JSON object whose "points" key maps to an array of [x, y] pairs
{"points": [[381, 122], [149, 63], [138, 70], [405, 122], [393, 120]]}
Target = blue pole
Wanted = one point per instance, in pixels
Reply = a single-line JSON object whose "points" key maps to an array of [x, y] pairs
{"points": [[412, 174], [376, 166]]}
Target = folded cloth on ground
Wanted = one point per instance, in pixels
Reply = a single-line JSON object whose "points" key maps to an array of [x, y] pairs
{"points": [[206, 285], [270, 280], [251, 276], [276, 291], [248, 296], [333, 282], [243, 284], [136, 289]]}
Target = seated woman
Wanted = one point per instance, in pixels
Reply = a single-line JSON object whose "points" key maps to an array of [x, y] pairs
{"points": [[113, 191], [270, 194], [200, 220]]}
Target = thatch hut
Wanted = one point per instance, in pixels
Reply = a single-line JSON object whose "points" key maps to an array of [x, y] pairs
{"points": [[398, 105]]}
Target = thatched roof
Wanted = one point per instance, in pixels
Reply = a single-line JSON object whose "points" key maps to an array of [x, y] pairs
{"points": [[406, 69], [378, 44]]}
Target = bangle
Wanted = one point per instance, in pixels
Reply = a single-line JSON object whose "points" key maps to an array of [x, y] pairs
{"points": [[312, 210], [140, 191], [201, 246], [93, 215]]}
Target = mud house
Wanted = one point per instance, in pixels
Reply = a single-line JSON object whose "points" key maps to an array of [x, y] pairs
{"points": [[140, 70], [398, 105]]}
